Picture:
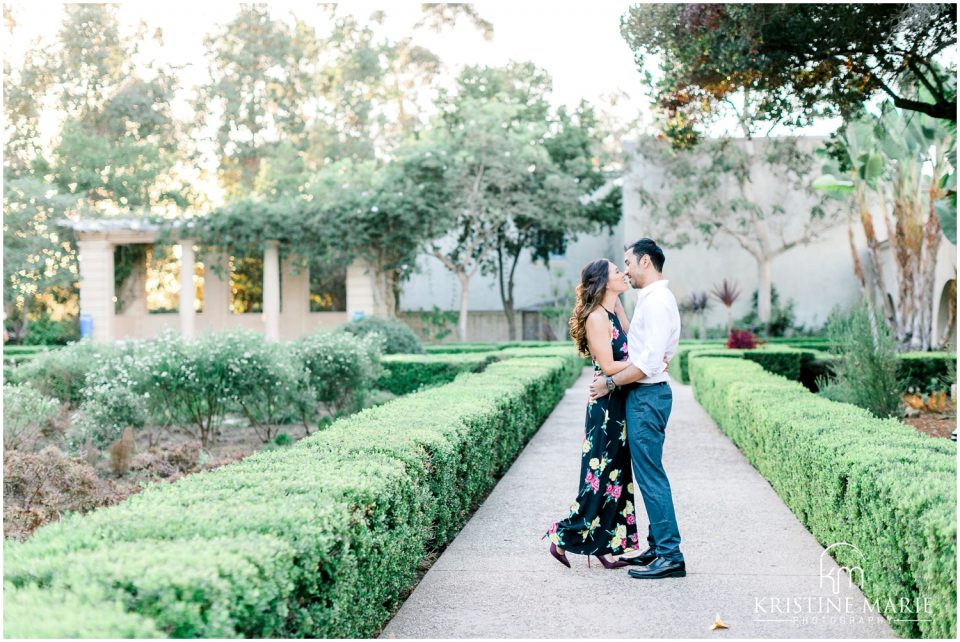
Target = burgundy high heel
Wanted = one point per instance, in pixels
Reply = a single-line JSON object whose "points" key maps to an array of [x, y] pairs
{"points": [[560, 558], [606, 564]]}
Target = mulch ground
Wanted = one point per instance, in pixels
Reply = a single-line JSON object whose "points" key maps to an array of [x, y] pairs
{"points": [[42, 482], [935, 425]]}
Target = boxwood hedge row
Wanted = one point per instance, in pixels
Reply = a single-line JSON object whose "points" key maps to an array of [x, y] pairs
{"points": [[406, 373], [83, 613], [849, 477], [319, 540], [458, 348], [923, 371]]}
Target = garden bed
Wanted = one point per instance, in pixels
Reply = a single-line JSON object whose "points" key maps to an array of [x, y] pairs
{"points": [[39, 488], [322, 539]]}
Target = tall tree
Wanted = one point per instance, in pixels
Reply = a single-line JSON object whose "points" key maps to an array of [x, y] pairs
{"points": [[481, 164], [805, 60], [262, 75], [39, 258], [548, 204], [119, 144], [118, 149]]}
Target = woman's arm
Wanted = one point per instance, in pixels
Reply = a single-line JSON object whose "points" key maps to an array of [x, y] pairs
{"points": [[598, 340], [622, 315]]}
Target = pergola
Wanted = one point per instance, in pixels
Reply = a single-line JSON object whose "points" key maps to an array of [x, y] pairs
{"points": [[97, 239]]}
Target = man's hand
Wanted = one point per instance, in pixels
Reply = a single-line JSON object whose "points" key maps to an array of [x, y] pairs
{"points": [[598, 388]]}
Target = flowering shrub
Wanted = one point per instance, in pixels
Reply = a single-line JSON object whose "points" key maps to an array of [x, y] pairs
{"points": [[742, 339], [169, 381], [62, 373], [268, 388], [397, 336], [106, 411], [25, 412], [341, 367]]}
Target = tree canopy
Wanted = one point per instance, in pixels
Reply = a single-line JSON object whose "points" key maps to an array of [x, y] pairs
{"points": [[806, 60]]}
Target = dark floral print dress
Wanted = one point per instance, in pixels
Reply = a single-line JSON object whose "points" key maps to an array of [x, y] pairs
{"points": [[602, 519]]}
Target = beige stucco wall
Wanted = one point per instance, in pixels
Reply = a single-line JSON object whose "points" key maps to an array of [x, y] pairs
{"points": [[818, 276]]}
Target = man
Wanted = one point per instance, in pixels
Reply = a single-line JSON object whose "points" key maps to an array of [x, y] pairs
{"points": [[653, 335]]}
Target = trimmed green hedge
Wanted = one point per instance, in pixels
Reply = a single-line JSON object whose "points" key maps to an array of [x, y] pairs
{"points": [[920, 370], [924, 371], [318, 540], [812, 343], [406, 373], [457, 348], [849, 477], [84, 613]]}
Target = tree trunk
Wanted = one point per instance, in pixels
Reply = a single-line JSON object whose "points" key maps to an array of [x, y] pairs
{"points": [[932, 233], [764, 283], [395, 286], [511, 319], [506, 291], [876, 259], [760, 228], [24, 318], [862, 279], [464, 292], [390, 293]]}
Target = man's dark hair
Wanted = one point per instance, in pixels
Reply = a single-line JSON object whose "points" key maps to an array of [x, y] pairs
{"points": [[651, 249]]}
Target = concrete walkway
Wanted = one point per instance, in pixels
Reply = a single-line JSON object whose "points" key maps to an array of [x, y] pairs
{"points": [[748, 558]]}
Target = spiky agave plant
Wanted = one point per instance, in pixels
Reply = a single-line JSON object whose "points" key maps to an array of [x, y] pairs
{"points": [[727, 293]]}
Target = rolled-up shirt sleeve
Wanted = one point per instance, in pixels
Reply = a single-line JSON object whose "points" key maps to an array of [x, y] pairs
{"points": [[657, 320]]}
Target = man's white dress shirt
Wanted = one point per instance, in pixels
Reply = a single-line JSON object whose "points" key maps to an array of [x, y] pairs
{"points": [[654, 331]]}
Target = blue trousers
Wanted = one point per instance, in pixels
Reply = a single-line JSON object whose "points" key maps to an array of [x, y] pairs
{"points": [[648, 409]]}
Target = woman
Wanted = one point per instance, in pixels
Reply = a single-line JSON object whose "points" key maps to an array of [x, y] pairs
{"points": [[601, 520]]}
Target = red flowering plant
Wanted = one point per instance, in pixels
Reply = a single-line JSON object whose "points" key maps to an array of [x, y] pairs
{"points": [[742, 339]]}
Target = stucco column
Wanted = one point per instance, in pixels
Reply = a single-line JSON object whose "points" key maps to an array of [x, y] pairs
{"points": [[360, 294], [271, 291], [295, 294], [96, 285], [188, 290], [216, 291]]}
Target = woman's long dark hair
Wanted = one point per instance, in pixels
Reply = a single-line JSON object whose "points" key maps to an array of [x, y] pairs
{"points": [[593, 284]]}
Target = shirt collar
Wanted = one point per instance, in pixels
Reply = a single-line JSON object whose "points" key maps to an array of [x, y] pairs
{"points": [[643, 292]]}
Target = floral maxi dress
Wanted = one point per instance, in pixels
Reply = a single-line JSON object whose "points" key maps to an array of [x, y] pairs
{"points": [[602, 519]]}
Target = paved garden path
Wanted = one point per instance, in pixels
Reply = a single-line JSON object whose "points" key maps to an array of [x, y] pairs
{"points": [[748, 557]]}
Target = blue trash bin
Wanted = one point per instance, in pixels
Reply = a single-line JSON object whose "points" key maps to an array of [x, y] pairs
{"points": [[86, 326]]}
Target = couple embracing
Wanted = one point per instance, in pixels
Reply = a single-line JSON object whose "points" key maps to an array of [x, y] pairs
{"points": [[627, 413]]}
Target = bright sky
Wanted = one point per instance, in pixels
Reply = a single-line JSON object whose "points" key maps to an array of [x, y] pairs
{"points": [[578, 43]]}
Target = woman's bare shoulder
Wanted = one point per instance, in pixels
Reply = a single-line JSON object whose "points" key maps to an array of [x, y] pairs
{"points": [[597, 317]]}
